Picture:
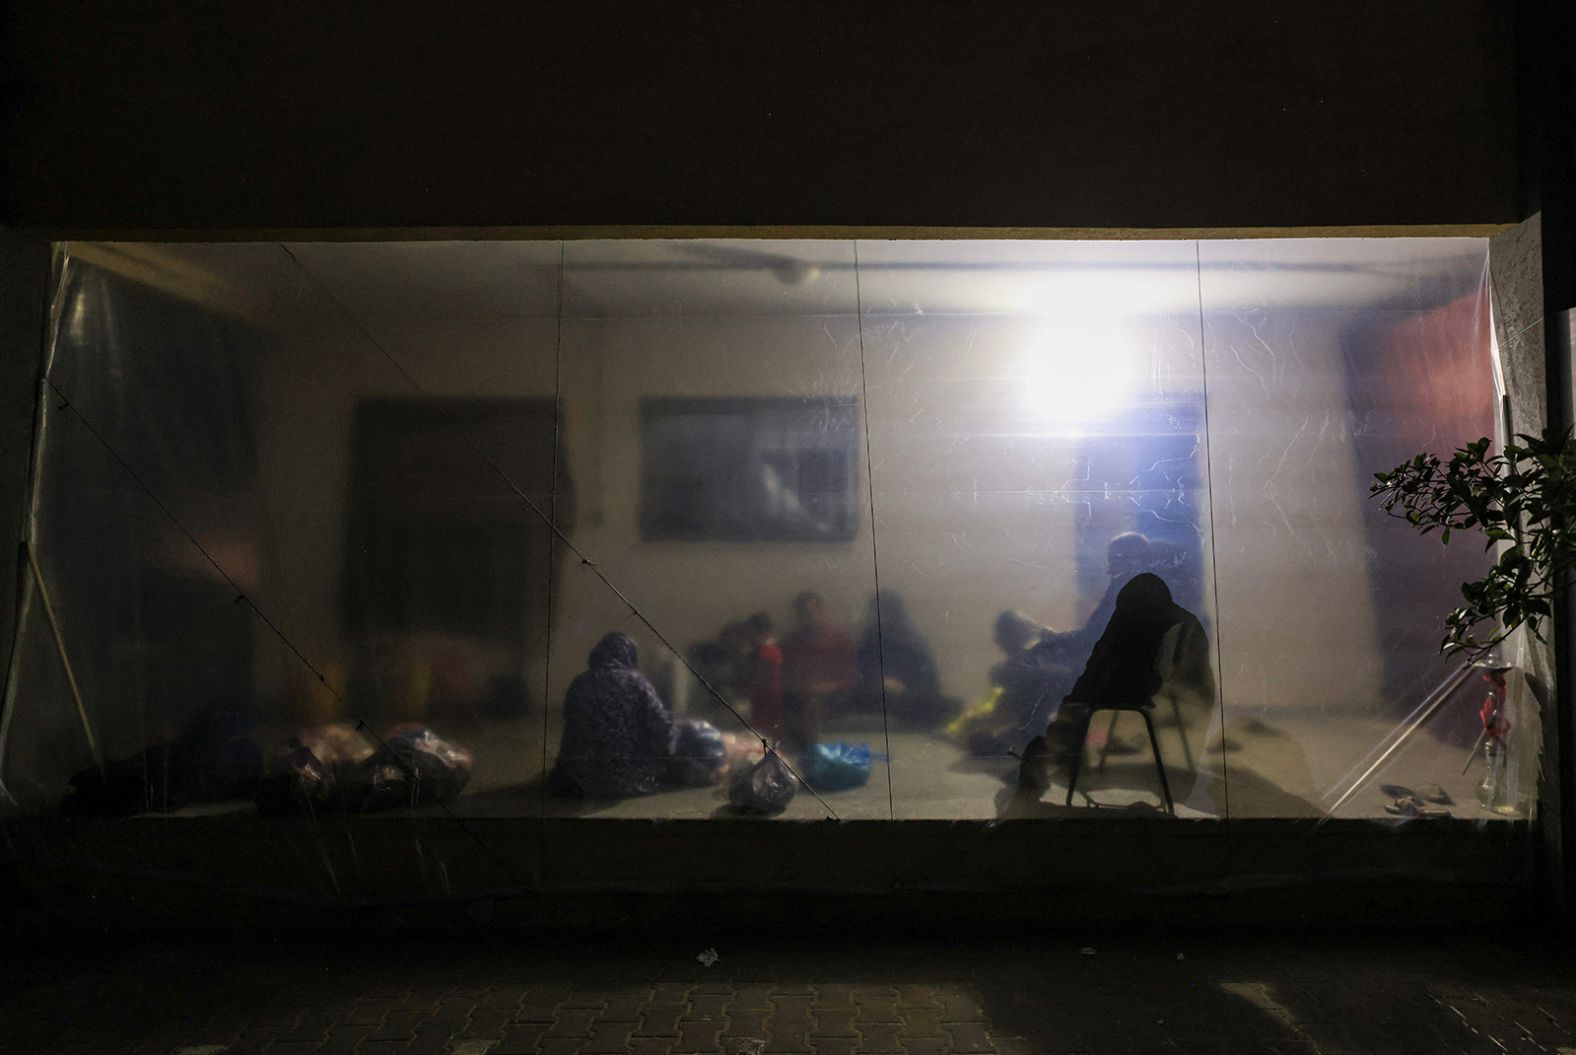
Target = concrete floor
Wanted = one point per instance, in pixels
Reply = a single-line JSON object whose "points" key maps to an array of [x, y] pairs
{"points": [[1277, 766]]}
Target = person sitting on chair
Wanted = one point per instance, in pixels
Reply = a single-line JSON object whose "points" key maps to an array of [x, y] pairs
{"points": [[1121, 668]]}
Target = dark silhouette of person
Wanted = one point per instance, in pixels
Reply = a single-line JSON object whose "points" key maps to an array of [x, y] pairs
{"points": [[1020, 689], [1026, 686], [897, 667], [619, 738], [1123, 668], [1061, 655]]}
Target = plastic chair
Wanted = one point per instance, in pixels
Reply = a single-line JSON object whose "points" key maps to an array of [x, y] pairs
{"points": [[1165, 663]]}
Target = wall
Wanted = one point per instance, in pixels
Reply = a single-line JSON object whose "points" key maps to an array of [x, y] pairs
{"points": [[24, 263], [1080, 114]]}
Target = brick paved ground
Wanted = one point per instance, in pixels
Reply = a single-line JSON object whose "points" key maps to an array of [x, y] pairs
{"points": [[601, 994]]}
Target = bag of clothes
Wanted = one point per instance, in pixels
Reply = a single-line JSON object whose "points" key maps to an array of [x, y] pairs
{"points": [[837, 766], [766, 787], [700, 756], [337, 768], [414, 767]]}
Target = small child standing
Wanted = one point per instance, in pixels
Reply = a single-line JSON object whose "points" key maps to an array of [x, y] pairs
{"points": [[766, 678]]}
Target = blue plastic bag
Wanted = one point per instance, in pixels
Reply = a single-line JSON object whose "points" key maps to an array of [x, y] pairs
{"points": [[836, 766], [699, 755]]}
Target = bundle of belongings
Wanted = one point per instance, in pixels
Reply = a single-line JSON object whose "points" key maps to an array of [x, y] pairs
{"points": [[213, 757], [338, 768]]}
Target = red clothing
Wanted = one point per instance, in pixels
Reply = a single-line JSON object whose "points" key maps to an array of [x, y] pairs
{"points": [[766, 690], [818, 663]]}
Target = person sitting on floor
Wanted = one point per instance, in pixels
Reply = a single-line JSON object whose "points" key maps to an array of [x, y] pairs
{"points": [[619, 738], [1020, 691], [897, 668]]}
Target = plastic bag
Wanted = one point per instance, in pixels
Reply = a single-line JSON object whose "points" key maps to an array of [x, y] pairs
{"points": [[766, 787], [837, 766], [301, 784], [701, 755], [414, 767]]}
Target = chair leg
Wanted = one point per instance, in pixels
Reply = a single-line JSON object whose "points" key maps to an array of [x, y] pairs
{"points": [[1110, 731], [1160, 766], [1187, 750], [1076, 762]]}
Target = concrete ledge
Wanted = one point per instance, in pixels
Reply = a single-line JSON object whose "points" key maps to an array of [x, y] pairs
{"points": [[437, 874]]}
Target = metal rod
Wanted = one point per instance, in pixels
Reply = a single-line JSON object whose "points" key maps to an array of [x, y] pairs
{"points": [[65, 660], [1441, 694]]}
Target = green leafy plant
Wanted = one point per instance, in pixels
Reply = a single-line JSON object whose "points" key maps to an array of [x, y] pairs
{"points": [[1524, 498]]}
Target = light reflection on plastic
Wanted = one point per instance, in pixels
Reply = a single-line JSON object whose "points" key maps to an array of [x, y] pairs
{"points": [[1075, 372]]}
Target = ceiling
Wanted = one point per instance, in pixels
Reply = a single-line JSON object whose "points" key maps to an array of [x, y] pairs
{"points": [[388, 283]]}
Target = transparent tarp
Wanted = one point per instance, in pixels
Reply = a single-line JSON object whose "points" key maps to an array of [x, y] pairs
{"points": [[584, 529]]}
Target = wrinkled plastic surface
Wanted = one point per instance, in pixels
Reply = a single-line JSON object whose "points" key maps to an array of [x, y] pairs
{"points": [[837, 766], [766, 788], [833, 491]]}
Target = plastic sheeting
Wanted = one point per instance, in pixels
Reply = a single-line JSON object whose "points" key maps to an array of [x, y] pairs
{"points": [[318, 496]]}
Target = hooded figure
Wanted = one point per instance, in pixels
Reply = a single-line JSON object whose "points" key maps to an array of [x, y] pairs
{"points": [[897, 668], [619, 738], [1122, 665], [1126, 667]]}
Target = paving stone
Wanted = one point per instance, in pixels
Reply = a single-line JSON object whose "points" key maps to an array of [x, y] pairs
{"points": [[750, 998], [708, 1005], [746, 1022], [520, 1039], [917, 996], [969, 1037], [834, 994], [560, 1046], [661, 1021], [383, 1047], [651, 1046], [1396, 996], [608, 1037], [668, 994], [926, 1045], [699, 1036], [342, 1040], [397, 1025], [957, 1005], [834, 1021], [877, 1007], [486, 1022], [625, 1005], [585, 998], [793, 1011], [366, 1011], [292, 1047], [879, 1036], [453, 1012], [787, 1038], [921, 1022], [1022, 1046], [573, 1022], [834, 1045]]}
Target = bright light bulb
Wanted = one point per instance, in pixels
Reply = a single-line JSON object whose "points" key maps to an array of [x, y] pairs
{"points": [[1074, 372]]}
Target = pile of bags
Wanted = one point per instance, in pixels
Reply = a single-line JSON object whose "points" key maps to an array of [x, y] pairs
{"points": [[336, 768], [761, 782]]}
